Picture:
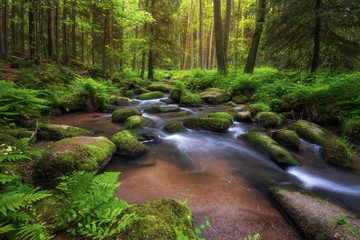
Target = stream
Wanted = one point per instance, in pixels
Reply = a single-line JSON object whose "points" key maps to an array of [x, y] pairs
{"points": [[219, 175]]}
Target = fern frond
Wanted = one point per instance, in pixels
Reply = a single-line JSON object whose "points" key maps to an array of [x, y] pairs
{"points": [[8, 178], [5, 228], [14, 157], [11, 202], [34, 232]]}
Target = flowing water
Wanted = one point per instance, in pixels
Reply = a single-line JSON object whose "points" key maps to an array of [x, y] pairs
{"points": [[218, 175]]}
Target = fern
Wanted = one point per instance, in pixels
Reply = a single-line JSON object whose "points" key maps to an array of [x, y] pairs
{"points": [[33, 232]]}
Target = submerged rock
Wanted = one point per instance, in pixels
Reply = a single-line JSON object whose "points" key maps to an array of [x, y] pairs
{"points": [[127, 145], [150, 95], [162, 87], [158, 109], [243, 117], [337, 153], [278, 154], [134, 122], [58, 132], [311, 132], [73, 154], [209, 124], [174, 127], [287, 138], [161, 219], [221, 115], [214, 96], [119, 101], [121, 114], [314, 216], [269, 119]]}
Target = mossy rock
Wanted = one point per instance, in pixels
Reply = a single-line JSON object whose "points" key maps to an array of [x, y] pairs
{"points": [[129, 93], [214, 96], [159, 220], [182, 113], [73, 154], [121, 114], [58, 132], [313, 215], [128, 146], [243, 117], [258, 107], [175, 95], [119, 101], [71, 103], [7, 140], [337, 153], [162, 87], [174, 127], [141, 90], [351, 128], [151, 95], [134, 122], [240, 99], [269, 119], [158, 109], [311, 132], [16, 132], [278, 154], [287, 138], [231, 104], [238, 109], [206, 123], [167, 101], [189, 99], [222, 115]]}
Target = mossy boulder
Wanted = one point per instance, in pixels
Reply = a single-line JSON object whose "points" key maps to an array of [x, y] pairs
{"points": [[119, 101], [240, 99], [176, 94], [159, 220], [189, 99], [206, 123], [158, 109], [258, 107], [182, 113], [167, 101], [73, 154], [134, 122], [162, 87], [337, 153], [128, 146], [129, 93], [214, 96], [121, 114], [278, 154], [269, 119], [231, 104], [243, 117], [174, 127], [313, 216], [222, 115], [311, 132], [58, 132], [17, 132], [238, 109], [150, 95], [287, 138]]}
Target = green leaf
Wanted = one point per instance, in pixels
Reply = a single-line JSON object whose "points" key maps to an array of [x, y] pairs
{"points": [[197, 230], [208, 224], [202, 226]]}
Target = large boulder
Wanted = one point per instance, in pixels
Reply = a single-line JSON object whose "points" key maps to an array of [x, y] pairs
{"points": [[158, 109], [278, 154], [174, 127], [161, 219], [73, 154], [214, 96], [17, 132], [134, 122], [243, 117], [221, 115], [314, 216], [128, 146], [189, 99], [121, 114], [269, 119], [150, 95], [58, 132], [287, 138], [256, 108], [176, 94], [162, 87], [119, 101], [206, 123], [337, 153], [311, 132]]}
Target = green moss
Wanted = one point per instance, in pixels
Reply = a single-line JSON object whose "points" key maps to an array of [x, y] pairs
{"points": [[162, 87], [175, 95], [189, 99], [222, 115], [209, 124], [174, 127], [121, 114], [311, 132], [238, 109], [258, 107], [231, 104], [134, 122], [287, 138], [240, 99], [151, 95], [269, 119], [17, 132], [57, 132], [127, 145], [140, 90], [183, 113], [8, 140], [243, 117], [158, 109], [279, 155], [120, 101], [337, 152], [158, 220], [214, 96], [351, 128], [129, 93]]}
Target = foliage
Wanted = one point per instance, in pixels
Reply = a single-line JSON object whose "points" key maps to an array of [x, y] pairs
{"points": [[258, 107], [255, 237], [23, 151], [200, 230], [89, 207], [93, 94], [351, 128], [343, 220]]}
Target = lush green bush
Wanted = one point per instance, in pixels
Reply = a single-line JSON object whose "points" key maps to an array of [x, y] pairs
{"points": [[351, 128], [258, 107], [93, 94]]}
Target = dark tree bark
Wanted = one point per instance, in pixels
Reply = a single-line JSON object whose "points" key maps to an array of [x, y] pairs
{"points": [[13, 28], [220, 55], [2, 50], [227, 28], [106, 20], [57, 50], [65, 33], [51, 31], [260, 19], [151, 58], [22, 27], [143, 64], [5, 28], [201, 34], [73, 30], [32, 32], [40, 36], [111, 38], [317, 28]]}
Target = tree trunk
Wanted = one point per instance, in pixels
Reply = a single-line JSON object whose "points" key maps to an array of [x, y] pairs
{"points": [[187, 38], [32, 23], [201, 35], [5, 28], [106, 20], [22, 27], [13, 28], [73, 30], [57, 50], [260, 19], [2, 50], [317, 28], [65, 34], [111, 38], [143, 64], [151, 58], [220, 54], [233, 33], [93, 40], [211, 45], [40, 29], [242, 31], [227, 29], [51, 31], [191, 38]]}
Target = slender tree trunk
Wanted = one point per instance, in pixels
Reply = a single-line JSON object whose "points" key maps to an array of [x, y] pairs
{"points": [[93, 36], [73, 30], [242, 31], [187, 38], [65, 33], [260, 20], [316, 51], [82, 44], [32, 23], [151, 59], [237, 34], [22, 27], [2, 50], [57, 49], [51, 31], [143, 64], [106, 20], [191, 38], [13, 28], [133, 65], [227, 29], [198, 38], [211, 45], [219, 45], [233, 33], [201, 34], [5, 28], [40, 36], [111, 38]]}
